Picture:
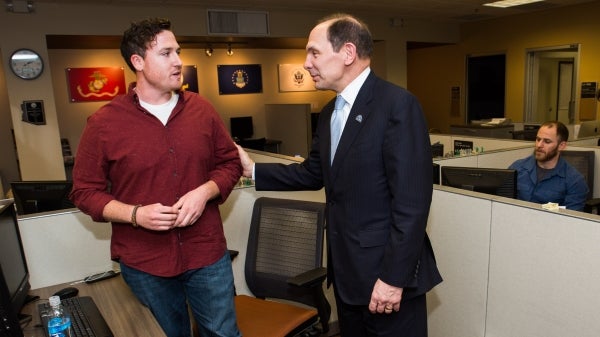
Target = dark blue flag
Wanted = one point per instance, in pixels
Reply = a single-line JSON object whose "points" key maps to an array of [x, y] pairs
{"points": [[239, 79]]}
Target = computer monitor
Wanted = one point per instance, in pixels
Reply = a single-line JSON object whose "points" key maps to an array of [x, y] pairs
{"points": [[14, 274], [241, 127], [496, 181], [41, 196]]}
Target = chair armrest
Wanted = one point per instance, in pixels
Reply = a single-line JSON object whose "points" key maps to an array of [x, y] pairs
{"points": [[593, 202], [310, 278], [233, 253], [592, 205]]}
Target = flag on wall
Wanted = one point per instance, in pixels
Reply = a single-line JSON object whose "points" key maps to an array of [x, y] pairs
{"points": [[239, 79], [95, 84], [293, 77], [190, 79]]}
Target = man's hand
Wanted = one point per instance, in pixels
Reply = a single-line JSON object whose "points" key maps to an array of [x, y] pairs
{"points": [[156, 217], [247, 163], [385, 298], [191, 205]]}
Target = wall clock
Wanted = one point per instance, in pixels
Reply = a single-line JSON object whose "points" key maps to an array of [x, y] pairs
{"points": [[26, 64]]}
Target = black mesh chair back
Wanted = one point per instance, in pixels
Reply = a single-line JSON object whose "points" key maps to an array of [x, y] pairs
{"points": [[286, 239], [583, 161]]}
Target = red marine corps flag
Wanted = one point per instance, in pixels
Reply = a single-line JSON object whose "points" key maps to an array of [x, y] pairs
{"points": [[95, 84]]}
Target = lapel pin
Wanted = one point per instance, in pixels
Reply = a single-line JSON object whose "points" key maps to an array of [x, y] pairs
{"points": [[359, 118]]}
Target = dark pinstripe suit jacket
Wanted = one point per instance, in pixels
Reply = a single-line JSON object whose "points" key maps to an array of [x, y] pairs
{"points": [[378, 191]]}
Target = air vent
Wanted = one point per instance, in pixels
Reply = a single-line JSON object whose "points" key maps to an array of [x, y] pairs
{"points": [[223, 22]]}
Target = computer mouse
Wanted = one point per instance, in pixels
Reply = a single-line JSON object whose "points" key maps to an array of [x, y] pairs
{"points": [[67, 292]]}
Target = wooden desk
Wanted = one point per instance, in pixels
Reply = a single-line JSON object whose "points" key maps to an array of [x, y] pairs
{"points": [[273, 145], [125, 315]]}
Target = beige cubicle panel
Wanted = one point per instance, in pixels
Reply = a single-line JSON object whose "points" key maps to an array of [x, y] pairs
{"points": [[64, 246], [459, 231], [512, 269], [544, 278]]}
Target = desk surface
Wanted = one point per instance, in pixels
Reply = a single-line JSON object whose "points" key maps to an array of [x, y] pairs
{"points": [[125, 315]]}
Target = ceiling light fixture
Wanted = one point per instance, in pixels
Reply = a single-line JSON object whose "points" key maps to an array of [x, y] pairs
{"points": [[229, 50], [208, 51], [510, 3]]}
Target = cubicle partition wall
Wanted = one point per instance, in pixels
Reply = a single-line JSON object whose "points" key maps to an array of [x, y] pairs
{"points": [[544, 275], [460, 234], [588, 141], [64, 246], [481, 143], [510, 268], [499, 153]]}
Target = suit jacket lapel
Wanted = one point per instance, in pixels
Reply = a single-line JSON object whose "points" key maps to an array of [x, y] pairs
{"points": [[356, 120]]}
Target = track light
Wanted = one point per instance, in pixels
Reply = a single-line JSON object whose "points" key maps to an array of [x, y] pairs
{"points": [[208, 51], [229, 50]]}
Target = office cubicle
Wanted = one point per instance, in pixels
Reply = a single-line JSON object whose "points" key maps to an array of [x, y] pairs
{"points": [[509, 267]]}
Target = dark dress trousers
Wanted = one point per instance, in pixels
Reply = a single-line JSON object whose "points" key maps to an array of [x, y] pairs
{"points": [[378, 192]]}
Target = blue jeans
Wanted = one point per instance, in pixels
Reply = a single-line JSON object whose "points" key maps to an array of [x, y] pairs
{"points": [[209, 292]]}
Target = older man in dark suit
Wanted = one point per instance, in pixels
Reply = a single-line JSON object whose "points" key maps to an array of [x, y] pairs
{"points": [[377, 181]]}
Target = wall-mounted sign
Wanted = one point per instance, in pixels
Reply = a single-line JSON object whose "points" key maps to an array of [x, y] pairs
{"points": [[588, 104], [33, 112], [588, 89]]}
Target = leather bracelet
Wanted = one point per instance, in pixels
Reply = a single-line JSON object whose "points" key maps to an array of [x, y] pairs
{"points": [[133, 214]]}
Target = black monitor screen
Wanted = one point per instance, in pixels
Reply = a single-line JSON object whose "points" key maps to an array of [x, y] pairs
{"points": [[500, 182], [241, 127], [14, 275], [41, 196]]}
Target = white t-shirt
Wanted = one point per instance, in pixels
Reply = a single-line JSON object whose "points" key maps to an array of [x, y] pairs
{"points": [[162, 111]]}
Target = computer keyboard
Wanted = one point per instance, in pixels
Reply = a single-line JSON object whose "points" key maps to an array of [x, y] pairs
{"points": [[86, 319]]}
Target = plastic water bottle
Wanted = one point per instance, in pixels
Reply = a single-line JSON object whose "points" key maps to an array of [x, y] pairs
{"points": [[59, 324]]}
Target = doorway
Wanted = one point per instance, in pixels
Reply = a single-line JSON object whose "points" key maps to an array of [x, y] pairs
{"points": [[551, 84]]}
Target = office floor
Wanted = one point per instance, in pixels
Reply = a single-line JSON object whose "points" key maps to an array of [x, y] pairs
{"points": [[334, 330]]}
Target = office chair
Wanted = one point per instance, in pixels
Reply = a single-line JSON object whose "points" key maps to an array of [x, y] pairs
{"points": [[583, 161], [284, 261]]}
